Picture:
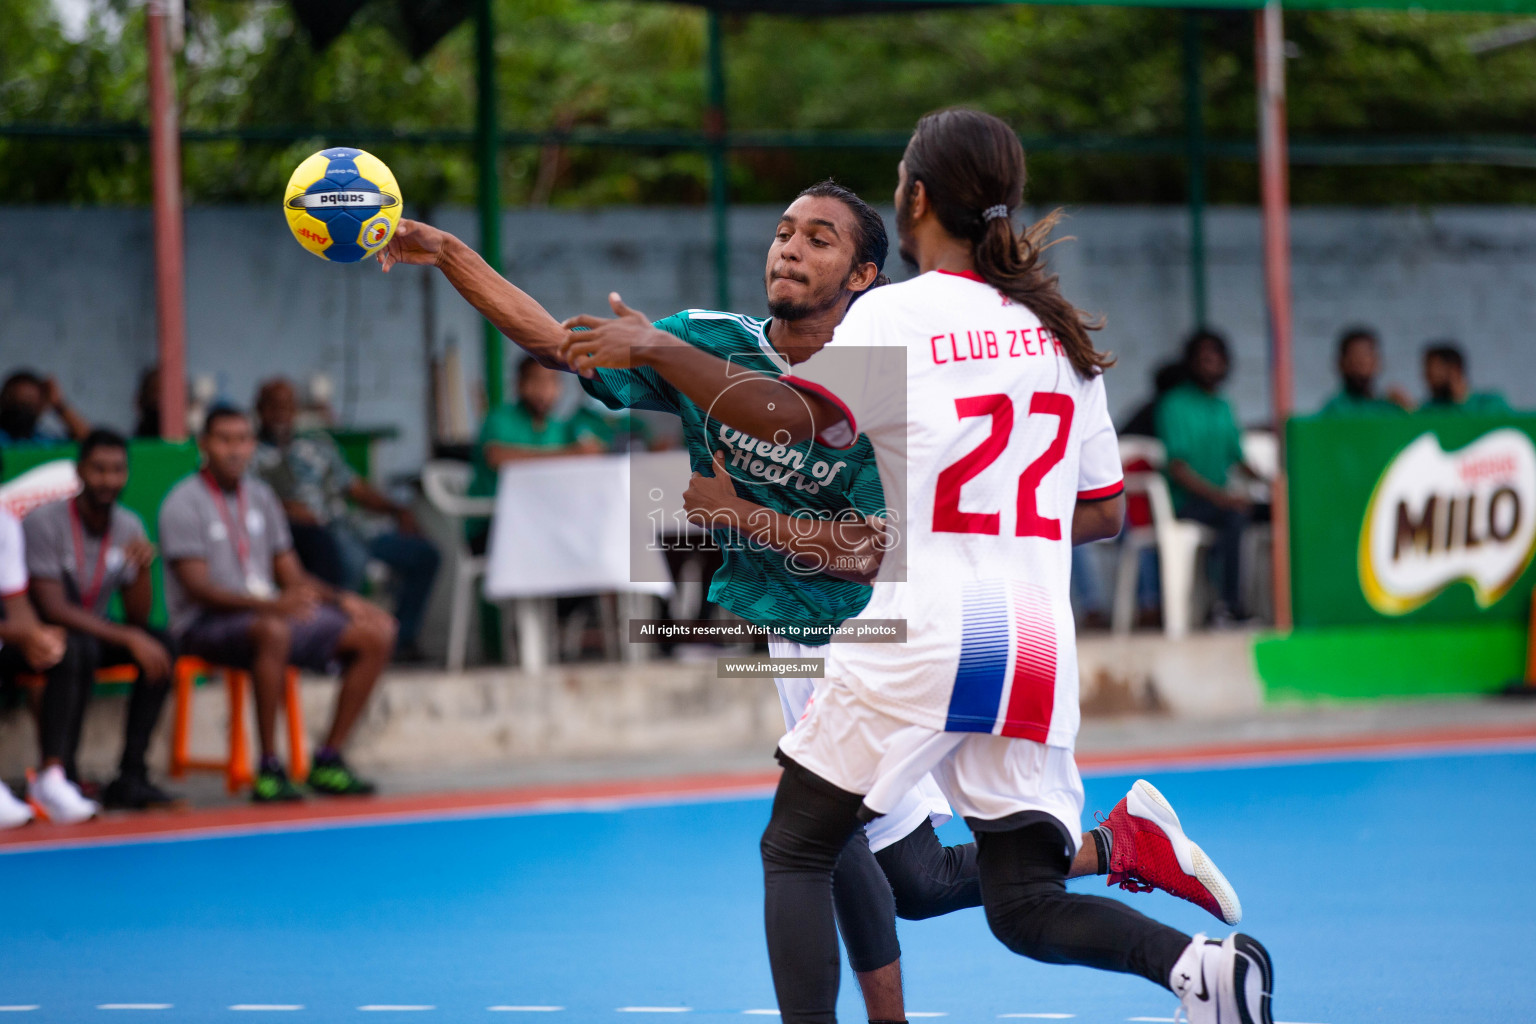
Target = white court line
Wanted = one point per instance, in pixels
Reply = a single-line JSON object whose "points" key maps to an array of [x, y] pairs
{"points": [[17, 1009], [524, 1009], [267, 1006], [134, 1006], [390, 1007], [654, 1009], [1041, 1016], [1155, 1020]]}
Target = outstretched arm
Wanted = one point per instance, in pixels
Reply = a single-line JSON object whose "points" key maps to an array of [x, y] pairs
{"points": [[512, 310], [756, 403]]}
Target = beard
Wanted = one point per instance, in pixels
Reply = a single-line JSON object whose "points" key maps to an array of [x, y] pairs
{"points": [[101, 497], [1358, 387], [790, 310], [1444, 393]]}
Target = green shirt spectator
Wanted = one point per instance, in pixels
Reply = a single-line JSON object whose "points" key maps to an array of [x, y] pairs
{"points": [[1445, 374], [1203, 446], [1198, 429], [1359, 365], [529, 428]]}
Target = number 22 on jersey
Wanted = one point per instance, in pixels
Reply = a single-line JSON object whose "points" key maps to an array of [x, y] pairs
{"points": [[947, 516]]}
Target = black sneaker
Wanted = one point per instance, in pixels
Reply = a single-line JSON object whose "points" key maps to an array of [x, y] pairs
{"points": [[136, 793], [334, 778], [273, 787]]}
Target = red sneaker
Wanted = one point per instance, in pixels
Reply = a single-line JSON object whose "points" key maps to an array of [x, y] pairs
{"points": [[1151, 851]]}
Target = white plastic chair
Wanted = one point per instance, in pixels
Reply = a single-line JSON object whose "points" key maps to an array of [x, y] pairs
{"points": [[444, 482], [1178, 543]]}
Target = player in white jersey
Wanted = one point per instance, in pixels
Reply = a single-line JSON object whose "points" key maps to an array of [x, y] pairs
{"points": [[983, 396], [829, 245]]}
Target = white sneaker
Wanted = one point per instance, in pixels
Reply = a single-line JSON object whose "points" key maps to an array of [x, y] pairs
{"points": [[1228, 982], [13, 812], [56, 799]]}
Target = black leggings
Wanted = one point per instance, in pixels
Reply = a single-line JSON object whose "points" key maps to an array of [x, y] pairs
{"points": [[1023, 885], [915, 878], [68, 692], [928, 878]]}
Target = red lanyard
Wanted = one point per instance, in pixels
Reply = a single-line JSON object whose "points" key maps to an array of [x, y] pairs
{"points": [[236, 532], [88, 592]]}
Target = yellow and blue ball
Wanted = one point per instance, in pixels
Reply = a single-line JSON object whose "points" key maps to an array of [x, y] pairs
{"points": [[342, 204]]}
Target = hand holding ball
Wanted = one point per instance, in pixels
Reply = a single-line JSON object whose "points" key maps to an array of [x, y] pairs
{"points": [[342, 204]]}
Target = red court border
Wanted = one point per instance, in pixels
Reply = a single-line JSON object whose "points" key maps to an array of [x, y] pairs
{"points": [[246, 820]]}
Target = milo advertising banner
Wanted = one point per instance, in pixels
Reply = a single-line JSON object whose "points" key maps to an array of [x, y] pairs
{"points": [[1412, 519]]}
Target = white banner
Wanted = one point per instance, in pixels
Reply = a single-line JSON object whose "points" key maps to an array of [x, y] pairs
{"points": [[564, 526]]}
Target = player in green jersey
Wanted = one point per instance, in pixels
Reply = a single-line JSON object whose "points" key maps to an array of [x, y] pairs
{"points": [[789, 508]]}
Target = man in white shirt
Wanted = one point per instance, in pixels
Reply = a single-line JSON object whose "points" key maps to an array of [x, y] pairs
{"points": [[26, 645], [982, 394]]}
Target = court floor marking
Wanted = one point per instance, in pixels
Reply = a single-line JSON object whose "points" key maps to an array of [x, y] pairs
{"points": [[624, 795], [419, 1008], [654, 1009]]}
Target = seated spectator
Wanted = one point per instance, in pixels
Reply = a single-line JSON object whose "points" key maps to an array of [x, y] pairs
{"points": [[25, 398], [1204, 448], [237, 595], [1359, 365], [80, 553], [314, 483], [527, 429], [27, 646], [1445, 375]]}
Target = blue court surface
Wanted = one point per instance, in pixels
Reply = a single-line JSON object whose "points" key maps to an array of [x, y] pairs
{"points": [[1392, 889]]}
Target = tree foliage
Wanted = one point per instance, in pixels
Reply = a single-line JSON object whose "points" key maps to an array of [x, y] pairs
{"points": [[623, 65]]}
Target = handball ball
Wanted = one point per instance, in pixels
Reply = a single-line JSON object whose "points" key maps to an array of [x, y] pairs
{"points": [[342, 204]]}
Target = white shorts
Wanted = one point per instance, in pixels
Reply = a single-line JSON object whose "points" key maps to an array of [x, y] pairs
{"points": [[987, 778], [922, 799]]}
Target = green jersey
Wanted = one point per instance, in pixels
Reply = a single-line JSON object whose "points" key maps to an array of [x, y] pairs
{"points": [[1346, 404], [808, 479], [1478, 403], [1198, 429]]}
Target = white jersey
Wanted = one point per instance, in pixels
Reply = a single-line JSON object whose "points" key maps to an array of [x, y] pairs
{"points": [[987, 437]]}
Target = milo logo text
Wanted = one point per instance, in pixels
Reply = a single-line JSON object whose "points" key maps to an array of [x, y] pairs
{"points": [[1439, 517]]}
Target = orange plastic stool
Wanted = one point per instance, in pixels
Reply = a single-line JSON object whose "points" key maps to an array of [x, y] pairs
{"points": [[114, 674], [236, 766]]}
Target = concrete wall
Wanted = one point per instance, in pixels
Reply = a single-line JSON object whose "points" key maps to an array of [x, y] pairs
{"points": [[423, 721], [76, 297]]}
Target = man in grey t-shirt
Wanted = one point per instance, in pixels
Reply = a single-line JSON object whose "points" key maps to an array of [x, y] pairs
{"points": [[238, 596], [80, 554]]}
